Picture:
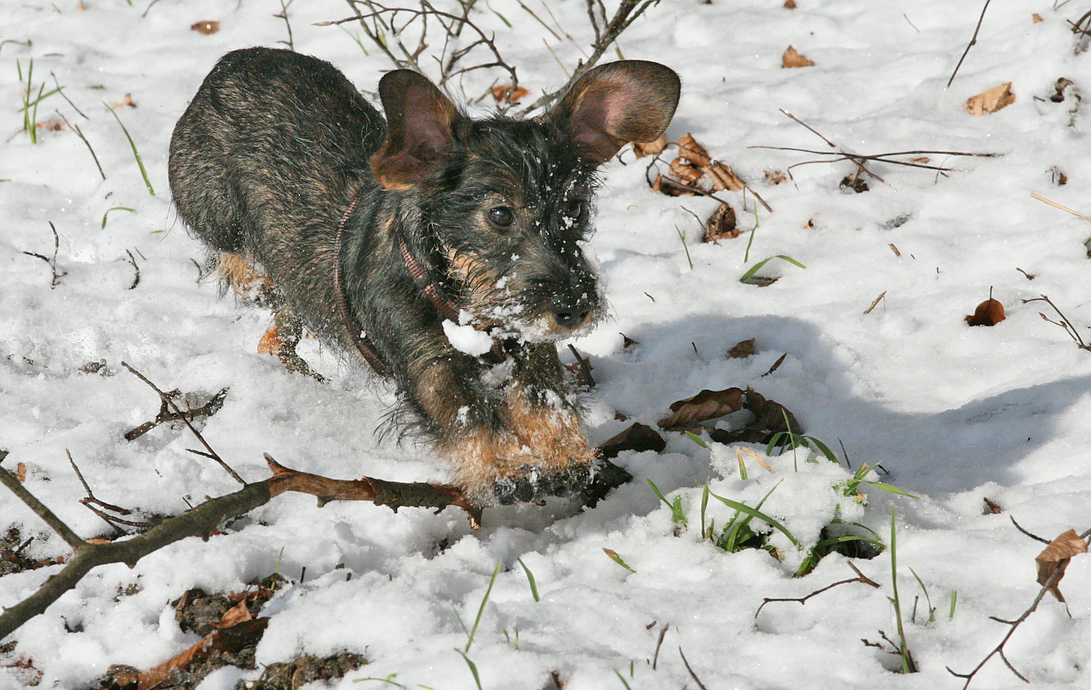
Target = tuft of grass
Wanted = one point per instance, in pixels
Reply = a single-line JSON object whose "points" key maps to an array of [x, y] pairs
{"points": [[136, 153], [738, 534], [30, 107], [678, 516], [851, 486], [908, 665], [758, 266], [927, 599], [791, 440], [954, 598]]}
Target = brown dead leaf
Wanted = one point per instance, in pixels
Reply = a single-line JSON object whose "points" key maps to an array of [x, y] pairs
{"points": [[988, 313], [792, 58], [671, 186], [690, 150], [723, 177], [638, 437], [231, 639], [790, 4], [1054, 559], [236, 614], [52, 125], [775, 177], [20, 472], [992, 507], [686, 173], [743, 349], [991, 100], [721, 224], [649, 148], [703, 406], [505, 92], [768, 420], [206, 27], [126, 101], [270, 342], [1037, 18]]}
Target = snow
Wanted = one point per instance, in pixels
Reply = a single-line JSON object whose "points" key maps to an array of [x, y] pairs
{"points": [[955, 414]]}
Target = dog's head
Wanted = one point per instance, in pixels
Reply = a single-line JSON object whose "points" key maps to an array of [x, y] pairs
{"points": [[506, 204]]}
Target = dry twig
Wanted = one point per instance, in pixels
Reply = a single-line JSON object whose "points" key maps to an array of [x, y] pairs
{"points": [[860, 577], [1063, 323], [839, 154], [998, 650], [51, 261], [973, 41]]}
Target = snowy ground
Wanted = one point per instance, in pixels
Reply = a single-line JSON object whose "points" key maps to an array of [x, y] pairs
{"points": [[955, 414]]}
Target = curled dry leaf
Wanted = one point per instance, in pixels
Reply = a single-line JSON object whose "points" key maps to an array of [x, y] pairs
{"points": [[703, 406], [207, 27], [638, 437], [988, 313], [743, 349], [721, 224], [671, 186], [1054, 559], [690, 150], [790, 4], [685, 172], [650, 148], [723, 177], [991, 100], [505, 92], [1037, 18], [792, 58]]}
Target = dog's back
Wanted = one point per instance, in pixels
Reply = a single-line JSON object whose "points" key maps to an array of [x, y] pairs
{"points": [[261, 183]]}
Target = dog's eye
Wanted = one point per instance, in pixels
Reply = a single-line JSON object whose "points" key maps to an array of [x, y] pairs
{"points": [[501, 216], [575, 209]]}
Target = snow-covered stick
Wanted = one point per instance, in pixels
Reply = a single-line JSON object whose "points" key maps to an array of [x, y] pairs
{"points": [[203, 519]]}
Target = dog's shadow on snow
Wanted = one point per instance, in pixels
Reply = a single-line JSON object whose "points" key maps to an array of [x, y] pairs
{"points": [[951, 451]]}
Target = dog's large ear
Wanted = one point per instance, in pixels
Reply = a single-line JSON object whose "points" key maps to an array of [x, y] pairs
{"points": [[421, 125], [616, 103]]}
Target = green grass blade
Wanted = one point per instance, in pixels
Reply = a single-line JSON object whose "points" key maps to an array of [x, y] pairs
{"points": [[754, 513], [115, 208], [622, 679], [473, 668], [530, 579], [481, 609], [136, 153], [617, 559], [890, 488]]}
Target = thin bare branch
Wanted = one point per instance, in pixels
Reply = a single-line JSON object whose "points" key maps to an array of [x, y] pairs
{"points": [[973, 41]]}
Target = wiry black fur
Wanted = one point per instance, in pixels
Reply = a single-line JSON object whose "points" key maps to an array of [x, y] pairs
{"points": [[276, 147]]}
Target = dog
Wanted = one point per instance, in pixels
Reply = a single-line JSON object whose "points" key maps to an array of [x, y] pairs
{"points": [[443, 252]]}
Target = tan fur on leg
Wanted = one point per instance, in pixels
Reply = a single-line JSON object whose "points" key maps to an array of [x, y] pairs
{"points": [[545, 437]]}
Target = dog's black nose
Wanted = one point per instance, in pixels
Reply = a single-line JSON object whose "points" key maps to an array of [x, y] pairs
{"points": [[568, 315]]}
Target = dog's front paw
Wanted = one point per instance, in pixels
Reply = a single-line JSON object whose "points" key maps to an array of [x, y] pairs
{"points": [[533, 484]]}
